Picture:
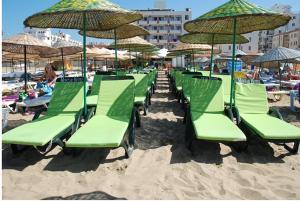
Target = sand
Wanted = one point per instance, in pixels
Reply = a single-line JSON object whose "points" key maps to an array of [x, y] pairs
{"points": [[160, 167]]}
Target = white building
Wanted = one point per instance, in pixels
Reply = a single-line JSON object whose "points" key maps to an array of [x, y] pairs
{"points": [[46, 36], [288, 35], [165, 25], [249, 48]]}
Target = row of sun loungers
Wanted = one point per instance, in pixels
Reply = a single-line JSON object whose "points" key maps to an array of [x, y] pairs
{"points": [[113, 114], [208, 116]]}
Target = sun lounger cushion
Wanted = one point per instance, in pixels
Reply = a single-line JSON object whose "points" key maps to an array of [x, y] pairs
{"points": [[113, 113], [141, 87], [226, 86], [207, 96], [271, 128], [92, 99], [207, 113], [251, 98], [252, 102], [66, 102], [216, 126]]}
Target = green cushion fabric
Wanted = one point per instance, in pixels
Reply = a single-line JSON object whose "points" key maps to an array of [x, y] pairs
{"points": [[141, 84], [204, 73], [251, 98], [216, 127], [100, 131], [39, 132], [140, 99], [207, 96], [252, 102], [207, 113], [178, 80], [271, 128], [113, 113], [226, 86], [96, 85], [92, 100], [66, 98], [66, 102]]}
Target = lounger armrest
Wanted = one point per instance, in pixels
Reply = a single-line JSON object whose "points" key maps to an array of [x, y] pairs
{"points": [[236, 114], [228, 113], [38, 113], [275, 112]]}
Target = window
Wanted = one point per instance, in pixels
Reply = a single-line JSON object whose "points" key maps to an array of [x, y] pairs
{"points": [[250, 39], [294, 17], [187, 17], [293, 24], [160, 37], [178, 18], [155, 18], [229, 47], [178, 27], [155, 28], [249, 48]]}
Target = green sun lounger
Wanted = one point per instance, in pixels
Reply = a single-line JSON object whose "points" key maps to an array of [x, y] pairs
{"points": [[187, 84], [142, 94], [226, 86], [255, 117], [62, 117], [207, 119], [112, 125]]}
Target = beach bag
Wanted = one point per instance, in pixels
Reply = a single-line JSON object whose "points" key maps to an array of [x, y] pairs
{"points": [[45, 88]]}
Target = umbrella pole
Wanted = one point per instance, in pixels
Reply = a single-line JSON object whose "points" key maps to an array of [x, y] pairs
{"points": [[280, 77], [211, 56], [194, 66], [116, 51], [25, 68], [62, 60], [84, 65], [136, 60], [233, 62]]}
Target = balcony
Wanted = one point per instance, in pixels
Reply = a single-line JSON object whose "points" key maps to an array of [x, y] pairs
{"points": [[153, 31], [175, 22], [162, 41], [163, 31], [153, 41], [152, 21], [175, 31], [142, 22], [163, 22]]}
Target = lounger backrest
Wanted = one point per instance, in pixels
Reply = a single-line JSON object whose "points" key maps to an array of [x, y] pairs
{"points": [[141, 84], [178, 78], [116, 97], [226, 83], [205, 73], [187, 81], [96, 85], [207, 96], [251, 98], [67, 97]]}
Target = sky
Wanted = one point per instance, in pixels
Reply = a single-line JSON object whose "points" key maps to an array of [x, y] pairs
{"points": [[14, 12]]}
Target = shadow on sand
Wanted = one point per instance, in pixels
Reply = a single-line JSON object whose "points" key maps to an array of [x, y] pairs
{"points": [[97, 195]]}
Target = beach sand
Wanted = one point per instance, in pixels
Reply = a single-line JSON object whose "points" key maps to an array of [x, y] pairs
{"points": [[160, 167]]}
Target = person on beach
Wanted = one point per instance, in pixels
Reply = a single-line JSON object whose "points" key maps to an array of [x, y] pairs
{"points": [[49, 75]]}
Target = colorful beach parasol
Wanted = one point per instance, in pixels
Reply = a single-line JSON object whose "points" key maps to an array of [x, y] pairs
{"points": [[85, 15], [236, 17]]}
